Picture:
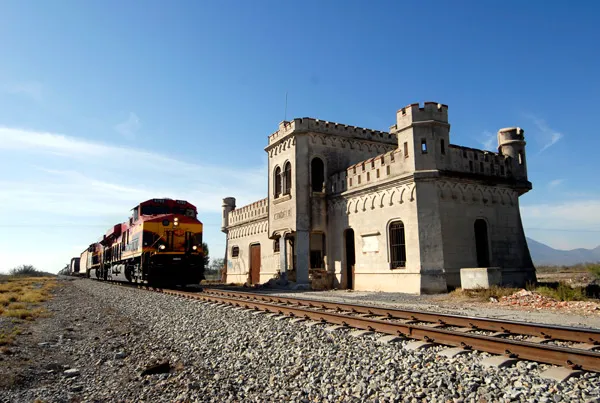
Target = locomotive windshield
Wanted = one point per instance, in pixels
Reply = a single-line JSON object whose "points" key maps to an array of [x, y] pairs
{"points": [[156, 210]]}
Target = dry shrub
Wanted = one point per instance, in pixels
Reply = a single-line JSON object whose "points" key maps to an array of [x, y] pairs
{"points": [[24, 314], [484, 294], [16, 305], [563, 292]]}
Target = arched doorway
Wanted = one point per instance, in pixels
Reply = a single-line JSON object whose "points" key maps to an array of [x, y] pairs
{"points": [[350, 258], [481, 243]]}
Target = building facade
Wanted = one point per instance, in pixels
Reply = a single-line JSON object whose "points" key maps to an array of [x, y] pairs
{"points": [[402, 210]]}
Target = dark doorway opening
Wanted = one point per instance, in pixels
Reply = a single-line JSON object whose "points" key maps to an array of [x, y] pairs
{"points": [[350, 258], [255, 264], [317, 172], [481, 243]]}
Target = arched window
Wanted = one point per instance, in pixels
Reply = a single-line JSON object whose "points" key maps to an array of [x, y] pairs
{"points": [[277, 182], [481, 243], [317, 172], [287, 185], [397, 242]]}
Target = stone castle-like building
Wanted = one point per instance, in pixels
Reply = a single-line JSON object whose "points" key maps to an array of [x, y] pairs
{"points": [[401, 211]]}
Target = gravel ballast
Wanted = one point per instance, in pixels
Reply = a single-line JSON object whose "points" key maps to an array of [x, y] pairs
{"points": [[220, 354]]}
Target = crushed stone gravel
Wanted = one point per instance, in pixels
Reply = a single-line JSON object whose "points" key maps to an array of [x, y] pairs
{"points": [[218, 354]]}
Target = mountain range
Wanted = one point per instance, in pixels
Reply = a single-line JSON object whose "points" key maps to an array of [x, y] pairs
{"points": [[545, 255]]}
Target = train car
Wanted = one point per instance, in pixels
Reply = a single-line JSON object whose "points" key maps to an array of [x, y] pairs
{"points": [[84, 263], [161, 244], [74, 266]]}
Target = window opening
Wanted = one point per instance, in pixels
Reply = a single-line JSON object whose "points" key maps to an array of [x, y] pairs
{"points": [[288, 178], [405, 149], [317, 171], [443, 146], [397, 245], [235, 251], [471, 166], [423, 146], [277, 179]]}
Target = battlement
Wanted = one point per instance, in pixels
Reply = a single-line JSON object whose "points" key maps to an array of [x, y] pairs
{"points": [[430, 111], [462, 160], [250, 212], [304, 125], [478, 162], [369, 172]]}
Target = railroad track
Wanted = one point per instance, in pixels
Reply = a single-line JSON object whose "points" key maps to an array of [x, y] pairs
{"points": [[572, 348], [568, 347]]}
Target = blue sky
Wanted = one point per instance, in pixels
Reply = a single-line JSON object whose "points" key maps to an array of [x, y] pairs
{"points": [[105, 104]]}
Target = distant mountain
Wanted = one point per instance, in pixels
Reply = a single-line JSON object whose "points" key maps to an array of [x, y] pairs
{"points": [[545, 255]]}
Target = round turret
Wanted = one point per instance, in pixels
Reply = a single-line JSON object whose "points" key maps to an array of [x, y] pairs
{"points": [[511, 142], [228, 206]]}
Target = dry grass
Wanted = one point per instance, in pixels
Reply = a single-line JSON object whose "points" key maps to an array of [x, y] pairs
{"points": [[19, 297], [483, 294], [9, 338]]}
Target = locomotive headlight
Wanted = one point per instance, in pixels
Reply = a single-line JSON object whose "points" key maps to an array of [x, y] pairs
{"points": [[195, 247], [176, 223], [175, 219], [161, 247]]}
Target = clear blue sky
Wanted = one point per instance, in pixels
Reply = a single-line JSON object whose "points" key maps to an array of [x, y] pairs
{"points": [[106, 103]]}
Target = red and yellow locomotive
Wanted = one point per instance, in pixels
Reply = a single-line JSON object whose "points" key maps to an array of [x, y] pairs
{"points": [[161, 244]]}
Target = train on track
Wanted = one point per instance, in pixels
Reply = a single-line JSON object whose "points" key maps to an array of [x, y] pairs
{"points": [[160, 245]]}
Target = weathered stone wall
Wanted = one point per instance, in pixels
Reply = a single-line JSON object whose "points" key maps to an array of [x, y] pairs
{"points": [[462, 203]]}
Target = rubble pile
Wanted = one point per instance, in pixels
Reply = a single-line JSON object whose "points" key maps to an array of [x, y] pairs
{"points": [[531, 299]]}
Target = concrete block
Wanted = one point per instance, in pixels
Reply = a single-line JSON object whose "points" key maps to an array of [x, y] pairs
{"points": [[297, 320], [312, 323], [480, 277], [283, 317], [272, 314], [498, 361], [560, 374], [453, 352], [389, 339], [418, 345], [258, 313]]}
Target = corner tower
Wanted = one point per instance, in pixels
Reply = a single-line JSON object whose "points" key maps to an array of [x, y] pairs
{"points": [[228, 206], [423, 133], [511, 142]]}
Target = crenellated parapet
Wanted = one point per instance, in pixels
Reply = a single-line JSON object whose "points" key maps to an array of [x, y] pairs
{"points": [[480, 162], [369, 172], [251, 212], [306, 125], [414, 113], [457, 159]]}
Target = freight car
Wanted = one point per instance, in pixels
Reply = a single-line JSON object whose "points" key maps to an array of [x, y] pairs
{"points": [[160, 244], [74, 266]]}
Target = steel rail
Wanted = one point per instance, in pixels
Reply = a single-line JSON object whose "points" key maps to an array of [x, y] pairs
{"points": [[573, 358], [547, 332]]}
